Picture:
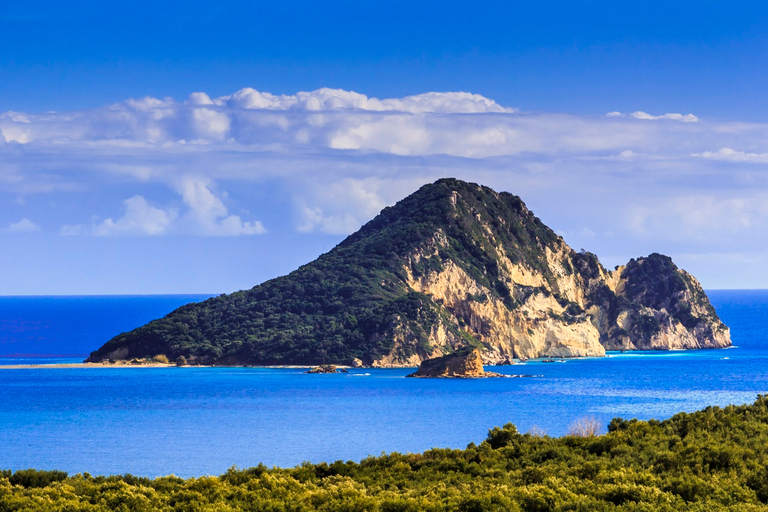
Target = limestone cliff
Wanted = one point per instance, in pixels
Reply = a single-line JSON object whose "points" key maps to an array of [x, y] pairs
{"points": [[453, 265]]}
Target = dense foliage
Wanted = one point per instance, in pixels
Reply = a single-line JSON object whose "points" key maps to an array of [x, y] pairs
{"points": [[345, 304], [715, 459]]}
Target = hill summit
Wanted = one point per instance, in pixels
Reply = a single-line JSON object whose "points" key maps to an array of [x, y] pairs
{"points": [[453, 265]]}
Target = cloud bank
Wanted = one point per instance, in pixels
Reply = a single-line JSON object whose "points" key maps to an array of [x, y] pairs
{"points": [[327, 161]]}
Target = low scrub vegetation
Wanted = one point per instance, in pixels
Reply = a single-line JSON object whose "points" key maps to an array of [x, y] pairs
{"points": [[584, 427], [714, 459]]}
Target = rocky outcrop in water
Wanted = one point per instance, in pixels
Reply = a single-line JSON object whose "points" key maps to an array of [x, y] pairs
{"points": [[462, 363], [326, 368]]}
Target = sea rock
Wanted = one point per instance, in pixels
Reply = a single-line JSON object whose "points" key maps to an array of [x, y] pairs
{"points": [[325, 368], [464, 363]]}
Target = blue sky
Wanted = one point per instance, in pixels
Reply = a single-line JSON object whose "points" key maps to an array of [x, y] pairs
{"points": [[580, 57], [155, 147]]}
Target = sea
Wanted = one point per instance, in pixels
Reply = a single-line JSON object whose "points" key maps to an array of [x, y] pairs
{"points": [[201, 421]]}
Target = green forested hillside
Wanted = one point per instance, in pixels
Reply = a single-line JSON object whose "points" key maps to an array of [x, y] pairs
{"points": [[715, 459]]}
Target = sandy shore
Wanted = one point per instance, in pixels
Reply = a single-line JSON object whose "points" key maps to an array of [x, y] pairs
{"points": [[82, 365], [148, 365]]}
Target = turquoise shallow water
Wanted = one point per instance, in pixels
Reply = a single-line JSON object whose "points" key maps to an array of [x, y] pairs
{"points": [[194, 421]]}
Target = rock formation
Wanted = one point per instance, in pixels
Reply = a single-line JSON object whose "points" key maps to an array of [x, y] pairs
{"points": [[453, 265], [464, 363], [326, 368]]}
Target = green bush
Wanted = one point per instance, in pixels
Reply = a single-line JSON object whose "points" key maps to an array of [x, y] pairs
{"points": [[36, 478]]}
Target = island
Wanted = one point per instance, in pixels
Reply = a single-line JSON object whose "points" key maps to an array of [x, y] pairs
{"points": [[454, 265]]}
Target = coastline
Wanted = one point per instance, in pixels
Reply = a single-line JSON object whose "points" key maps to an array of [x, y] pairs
{"points": [[609, 354], [82, 365], [148, 365]]}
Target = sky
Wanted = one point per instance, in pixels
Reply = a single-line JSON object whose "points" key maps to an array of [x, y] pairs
{"points": [[155, 147]]}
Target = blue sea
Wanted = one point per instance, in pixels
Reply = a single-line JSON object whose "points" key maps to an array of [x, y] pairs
{"points": [[196, 421]]}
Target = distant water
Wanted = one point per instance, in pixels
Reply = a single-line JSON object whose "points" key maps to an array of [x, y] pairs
{"points": [[194, 421], [74, 326]]}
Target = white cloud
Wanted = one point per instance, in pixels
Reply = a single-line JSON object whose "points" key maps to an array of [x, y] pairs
{"points": [[210, 124], [362, 200], [732, 155], [139, 219], [207, 214], [315, 219], [337, 99], [687, 118], [451, 123], [23, 226], [200, 98], [15, 133], [327, 161]]}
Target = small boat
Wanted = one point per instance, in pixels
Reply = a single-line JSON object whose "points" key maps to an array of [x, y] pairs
{"points": [[547, 360]]}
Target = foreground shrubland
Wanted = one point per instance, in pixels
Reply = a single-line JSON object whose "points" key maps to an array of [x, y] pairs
{"points": [[715, 459]]}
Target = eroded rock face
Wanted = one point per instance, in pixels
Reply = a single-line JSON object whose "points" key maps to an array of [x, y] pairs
{"points": [[534, 328], [465, 363], [648, 304], [561, 304]]}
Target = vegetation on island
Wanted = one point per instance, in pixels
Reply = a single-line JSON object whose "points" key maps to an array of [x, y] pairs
{"points": [[714, 459]]}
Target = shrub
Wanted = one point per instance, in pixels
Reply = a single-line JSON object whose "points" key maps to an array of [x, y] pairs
{"points": [[585, 427], [36, 478], [161, 358], [181, 361], [498, 437]]}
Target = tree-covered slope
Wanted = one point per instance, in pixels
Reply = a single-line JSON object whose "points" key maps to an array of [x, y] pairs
{"points": [[715, 459], [453, 264]]}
